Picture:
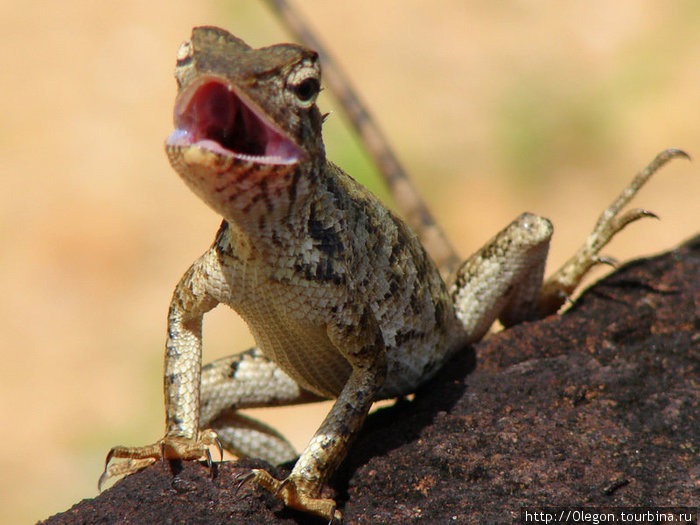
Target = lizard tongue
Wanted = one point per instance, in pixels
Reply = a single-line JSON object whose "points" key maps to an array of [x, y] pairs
{"points": [[212, 116]]}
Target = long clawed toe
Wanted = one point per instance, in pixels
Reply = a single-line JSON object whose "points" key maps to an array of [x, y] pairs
{"points": [[170, 447], [606, 260], [605, 230], [610, 221], [241, 479]]}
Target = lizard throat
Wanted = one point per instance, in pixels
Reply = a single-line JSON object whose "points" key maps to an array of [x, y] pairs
{"points": [[210, 114]]}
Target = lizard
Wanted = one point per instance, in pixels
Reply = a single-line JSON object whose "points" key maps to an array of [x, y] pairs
{"points": [[340, 296]]}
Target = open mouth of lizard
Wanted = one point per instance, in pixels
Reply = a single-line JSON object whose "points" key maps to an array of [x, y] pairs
{"points": [[211, 115]]}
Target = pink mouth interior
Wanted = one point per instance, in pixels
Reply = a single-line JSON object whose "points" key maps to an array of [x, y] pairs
{"points": [[211, 115]]}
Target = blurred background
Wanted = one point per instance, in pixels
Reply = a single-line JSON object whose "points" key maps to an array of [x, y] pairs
{"points": [[494, 107]]}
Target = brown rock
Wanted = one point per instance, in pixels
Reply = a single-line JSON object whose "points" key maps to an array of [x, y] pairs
{"points": [[598, 407]]}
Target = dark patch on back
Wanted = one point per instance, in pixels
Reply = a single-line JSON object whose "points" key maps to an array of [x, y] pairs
{"points": [[394, 284], [276, 238], [326, 238], [322, 271], [415, 300], [403, 336], [396, 250]]}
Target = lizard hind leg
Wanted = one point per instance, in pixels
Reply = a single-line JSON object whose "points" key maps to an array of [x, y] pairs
{"points": [[248, 380], [244, 436], [563, 282], [502, 279]]}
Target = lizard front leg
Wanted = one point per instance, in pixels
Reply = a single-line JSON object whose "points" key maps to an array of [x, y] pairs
{"points": [[183, 358], [363, 346], [209, 397]]}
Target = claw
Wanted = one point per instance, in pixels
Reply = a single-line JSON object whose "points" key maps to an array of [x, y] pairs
{"points": [[120, 469], [244, 478], [220, 447], [604, 259], [111, 471], [332, 518], [104, 476], [637, 213], [282, 484], [210, 438], [101, 481], [669, 154], [109, 457], [649, 213], [170, 447], [630, 216]]}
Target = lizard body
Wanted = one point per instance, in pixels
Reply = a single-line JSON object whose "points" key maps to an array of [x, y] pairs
{"points": [[339, 294]]}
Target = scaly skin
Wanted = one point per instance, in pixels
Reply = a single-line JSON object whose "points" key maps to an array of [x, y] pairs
{"points": [[341, 297]]}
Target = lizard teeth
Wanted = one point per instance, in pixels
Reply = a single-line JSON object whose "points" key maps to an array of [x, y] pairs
{"points": [[267, 159], [183, 138]]}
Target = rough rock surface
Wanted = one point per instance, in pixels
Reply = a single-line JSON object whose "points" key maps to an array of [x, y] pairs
{"points": [[598, 407]]}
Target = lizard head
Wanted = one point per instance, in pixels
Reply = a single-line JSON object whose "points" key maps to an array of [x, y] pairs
{"points": [[245, 118]]}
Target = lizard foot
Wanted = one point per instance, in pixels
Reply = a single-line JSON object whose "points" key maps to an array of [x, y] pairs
{"points": [[170, 447], [562, 284], [294, 494]]}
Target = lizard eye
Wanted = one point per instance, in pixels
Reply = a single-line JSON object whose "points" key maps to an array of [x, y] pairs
{"points": [[307, 89]]}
